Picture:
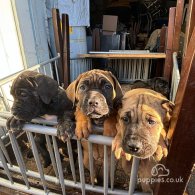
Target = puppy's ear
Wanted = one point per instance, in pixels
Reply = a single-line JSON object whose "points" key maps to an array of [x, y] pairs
{"points": [[117, 90], [71, 89], [168, 106], [47, 88]]}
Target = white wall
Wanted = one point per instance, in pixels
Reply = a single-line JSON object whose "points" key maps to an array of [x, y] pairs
{"points": [[10, 51]]}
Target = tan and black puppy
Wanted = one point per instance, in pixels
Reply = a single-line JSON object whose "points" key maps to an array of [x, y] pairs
{"points": [[141, 126], [95, 94]]}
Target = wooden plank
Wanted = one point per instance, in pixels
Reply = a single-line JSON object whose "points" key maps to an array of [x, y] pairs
{"points": [[125, 56], [178, 23], [190, 24], [169, 49], [58, 40], [66, 50], [182, 154], [160, 63]]}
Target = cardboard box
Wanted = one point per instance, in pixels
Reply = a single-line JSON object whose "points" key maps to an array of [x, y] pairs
{"points": [[109, 24]]}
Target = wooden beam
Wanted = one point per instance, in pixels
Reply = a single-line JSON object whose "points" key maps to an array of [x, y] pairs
{"points": [[169, 45], [178, 23], [58, 41], [66, 50], [190, 24], [125, 56], [182, 154], [160, 63]]}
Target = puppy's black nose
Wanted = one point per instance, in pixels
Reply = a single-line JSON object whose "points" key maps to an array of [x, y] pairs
{"points": [[93, 102], [133, 147]]}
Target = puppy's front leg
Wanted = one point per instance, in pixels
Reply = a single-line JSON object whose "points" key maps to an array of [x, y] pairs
{"points": [[66, 125], [83, 124], [162, 150], [14, 124]]}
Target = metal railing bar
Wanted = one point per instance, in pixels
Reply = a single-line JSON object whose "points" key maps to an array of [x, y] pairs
{"points": [[18, 150], [81, 168], [4, 136], [6, 103], [11, 77], [50, 69], [70, 154], [56, 69], [4, 150], [175, 78], [91, 167], [51, 154], [105, 170], [39, 120], [5, 167], [44, 70], [59, 165], [112, 169], [20, 187], [133, 176], [37, 159], [69, 183], [19, 160]]}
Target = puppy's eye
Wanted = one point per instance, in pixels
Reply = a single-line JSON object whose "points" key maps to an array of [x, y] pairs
{"points": [[125, 119], [107, 86], [161, 84], [151, 121], [23, 94], [82, 87]]}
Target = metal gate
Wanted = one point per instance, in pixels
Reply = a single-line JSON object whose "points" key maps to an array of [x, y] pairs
{"points": [[59, 178]]}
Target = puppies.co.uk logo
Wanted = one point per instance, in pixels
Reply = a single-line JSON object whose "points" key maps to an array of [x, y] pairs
{"points": [[159, 174], [160, 170]]}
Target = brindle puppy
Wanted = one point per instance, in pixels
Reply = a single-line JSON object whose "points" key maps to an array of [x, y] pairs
{"points": [[158, 84], [141, 128]]}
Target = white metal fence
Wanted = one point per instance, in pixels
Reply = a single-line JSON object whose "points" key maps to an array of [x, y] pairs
{"points": [[175, 78], [7, 167]]}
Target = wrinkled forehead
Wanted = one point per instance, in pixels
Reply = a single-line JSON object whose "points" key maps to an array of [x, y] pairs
{"points": [[95, 79], [143, 104]]}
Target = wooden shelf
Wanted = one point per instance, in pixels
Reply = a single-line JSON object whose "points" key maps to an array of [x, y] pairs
{"points": [[124, 56]]}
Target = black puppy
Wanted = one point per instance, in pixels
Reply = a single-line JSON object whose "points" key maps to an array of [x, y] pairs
{"points": [[35, 95], [158, 84]]}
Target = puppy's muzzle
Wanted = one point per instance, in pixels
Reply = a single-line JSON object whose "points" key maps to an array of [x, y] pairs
{"points": [[132, 144], [96, 105]]}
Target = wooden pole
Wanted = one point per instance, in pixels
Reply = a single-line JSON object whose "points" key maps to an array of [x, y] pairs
{"points": [[178, 23], [190, 24], [169, 48], [160, 63], [66, 50], [182, 153], [58, 41]]}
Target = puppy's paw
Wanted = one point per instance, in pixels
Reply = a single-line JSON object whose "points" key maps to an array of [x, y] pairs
{"points": [[65, 129], [161, 152], [14, 124], [117, 148], [83, 129]]}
